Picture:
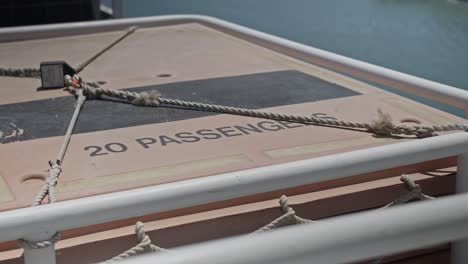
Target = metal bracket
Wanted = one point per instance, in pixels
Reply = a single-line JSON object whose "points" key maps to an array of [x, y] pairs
{"points": [[53, 72]]}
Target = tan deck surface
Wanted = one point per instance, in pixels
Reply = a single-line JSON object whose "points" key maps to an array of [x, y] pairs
{"points": [[186, 52]]}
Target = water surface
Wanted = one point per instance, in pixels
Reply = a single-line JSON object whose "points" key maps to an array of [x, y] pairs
{"points": [[425, 38]]}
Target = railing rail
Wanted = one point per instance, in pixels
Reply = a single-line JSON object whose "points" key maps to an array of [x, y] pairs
{"points": [[98, 209], [36, 223], [404, 82], [343, 239], [40, 223]]}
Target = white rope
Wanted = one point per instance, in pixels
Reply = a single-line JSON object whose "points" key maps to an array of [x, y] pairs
{"points": [[36, 73], [37, 245], [48, 189], [23, 72], [144, 244], [289, 217], [383, 126], [49, 186], [414, 193]]}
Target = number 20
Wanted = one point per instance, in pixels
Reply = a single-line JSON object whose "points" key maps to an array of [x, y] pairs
{"points": [[110, 147]]}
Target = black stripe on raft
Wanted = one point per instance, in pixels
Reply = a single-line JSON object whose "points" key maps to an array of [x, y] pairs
{"points": [[50, 117]]}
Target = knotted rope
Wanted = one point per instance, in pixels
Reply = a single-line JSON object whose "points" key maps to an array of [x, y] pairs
{"points": [[48, 189], [289, 217], [37, 245], [144, 244], [414, 193], [383, 126]]}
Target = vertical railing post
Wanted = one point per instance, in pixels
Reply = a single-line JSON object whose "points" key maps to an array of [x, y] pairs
{"points": [[460, 248], [41, 255]]}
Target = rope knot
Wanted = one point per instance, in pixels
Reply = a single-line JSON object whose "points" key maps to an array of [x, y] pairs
{"points": [[144, 244], [414, 192], [142, 238], [75, 82], [383, 126], [284, 204], [41, 244], [54, 173], [410, 184], [147, 99], [424, 133]]}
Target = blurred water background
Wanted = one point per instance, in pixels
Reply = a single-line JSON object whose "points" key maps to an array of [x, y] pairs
{"points": [[425, 38]]}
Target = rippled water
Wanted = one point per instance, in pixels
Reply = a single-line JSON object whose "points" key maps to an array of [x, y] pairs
{"points": [[426, 38]]}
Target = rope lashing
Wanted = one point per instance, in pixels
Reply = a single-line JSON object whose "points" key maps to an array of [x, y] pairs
{"points": [[48, 189], [382, 126], [289, 217], [23, 72], [36, 72], [144, 245], [285, 208], [414, 192], [55, 168], [38, 245]]}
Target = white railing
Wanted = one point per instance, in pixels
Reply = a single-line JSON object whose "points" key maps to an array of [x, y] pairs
{"points": [[39, 223], [342, 239], [405, 82]]}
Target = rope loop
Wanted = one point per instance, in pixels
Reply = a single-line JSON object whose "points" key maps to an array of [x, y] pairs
{"points": [[144, 245], [49, 185], [414, 193], [41, 244], [48, 188], [284, 204], [383, 126], [289, 217]]}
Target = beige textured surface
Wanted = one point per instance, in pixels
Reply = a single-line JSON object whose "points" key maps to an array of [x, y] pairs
{"points": [[30, 54], [186, 52], [5, 193], [322, 147], [198, 166]]}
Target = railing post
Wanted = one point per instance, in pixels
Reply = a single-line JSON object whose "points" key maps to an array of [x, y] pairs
{"points": [[41, 255], [460, 248]]}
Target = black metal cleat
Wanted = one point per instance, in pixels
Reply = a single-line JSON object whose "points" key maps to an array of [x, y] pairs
{"points": [[53, 74]]}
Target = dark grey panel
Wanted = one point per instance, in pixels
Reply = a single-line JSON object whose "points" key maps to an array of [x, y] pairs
{"points": [[50, 117]]}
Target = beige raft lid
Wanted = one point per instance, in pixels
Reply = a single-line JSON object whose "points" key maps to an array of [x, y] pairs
{"points": [[117, 146]]}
